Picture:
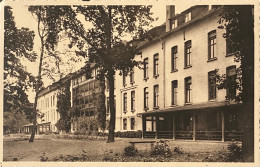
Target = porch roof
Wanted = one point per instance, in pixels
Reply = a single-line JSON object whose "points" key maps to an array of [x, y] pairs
{"points": [[192, 107]]}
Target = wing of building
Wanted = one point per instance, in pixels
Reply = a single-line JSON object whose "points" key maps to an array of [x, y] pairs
{"points": [[175, 94]]}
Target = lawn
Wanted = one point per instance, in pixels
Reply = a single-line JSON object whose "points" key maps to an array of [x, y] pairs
{"points": [[99, 150]]}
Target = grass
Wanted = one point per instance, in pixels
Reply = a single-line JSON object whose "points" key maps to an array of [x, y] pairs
{"points": [[97, 150]]}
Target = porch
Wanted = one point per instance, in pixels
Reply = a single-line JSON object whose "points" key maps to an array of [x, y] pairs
{"points": [[221, 123]]}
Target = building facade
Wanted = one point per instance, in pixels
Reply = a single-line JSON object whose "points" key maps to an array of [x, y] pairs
{"points": [[85, 102], [175, 95], [47, 107]]}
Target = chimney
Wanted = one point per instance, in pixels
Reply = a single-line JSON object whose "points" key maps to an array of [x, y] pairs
{"points": [[170, 12]]}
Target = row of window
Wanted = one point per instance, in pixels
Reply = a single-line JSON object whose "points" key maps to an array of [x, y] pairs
{"points": [[155, 97], [131, 76], [132, 101], [187, 55], [84, 102], [188, 16], [51, 115], [212, 86], [86, 89], [132, 124], [82, 78], [48, 102], [155, 67]]}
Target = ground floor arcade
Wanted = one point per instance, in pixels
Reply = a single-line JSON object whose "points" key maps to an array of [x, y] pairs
{"points": [[209, 123]]}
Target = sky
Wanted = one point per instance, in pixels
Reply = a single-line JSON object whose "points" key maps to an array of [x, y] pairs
{"points": [[25, 19]]}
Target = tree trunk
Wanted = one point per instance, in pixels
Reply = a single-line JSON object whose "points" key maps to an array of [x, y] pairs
{"points": [[247, 65], [111, 133], [110, 77], [37, 86]]}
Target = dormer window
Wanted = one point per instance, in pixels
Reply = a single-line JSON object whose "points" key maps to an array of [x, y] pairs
{"points": [[187, 17], [174, 24]]}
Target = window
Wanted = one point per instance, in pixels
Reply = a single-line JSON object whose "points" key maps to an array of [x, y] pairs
{"points": [[156, 96], [132, 123], [174, 58], [187, 17], [124, 78], [146, 93], [212, 45], [231, 82], [212, 85], [188, 90], [125, 124], [174, 92], [125, 102], [187, 54], [146, 68], [133, 101], [132, 76], [174, 24], [156, 65]]}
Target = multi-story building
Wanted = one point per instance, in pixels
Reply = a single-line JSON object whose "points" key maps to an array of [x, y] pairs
{"points": [[175, 95], [85, 94], [47, 106]]}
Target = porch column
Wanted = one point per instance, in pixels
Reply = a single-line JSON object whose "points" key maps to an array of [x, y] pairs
{"points": [[157, 125], [194, 126], [222, 127], [144, 125], [173, 128]]}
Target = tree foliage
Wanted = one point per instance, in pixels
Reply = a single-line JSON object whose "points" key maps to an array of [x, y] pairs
{"points": [[63, 107], [18, 45], [104, 37], [239, 24], [14, 122]]}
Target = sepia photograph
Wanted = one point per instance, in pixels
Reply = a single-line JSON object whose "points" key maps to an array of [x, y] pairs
{"points": [[148, 81]]}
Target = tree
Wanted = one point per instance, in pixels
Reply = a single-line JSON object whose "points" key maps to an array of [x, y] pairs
{"points": [[18, 44], [108, 25], [48, 28], [239, 24], [14, 122], [63, 106]]}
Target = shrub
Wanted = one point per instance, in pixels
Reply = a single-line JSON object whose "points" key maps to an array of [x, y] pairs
{"points": [[162, 148], [235, 149], [178, 150], [131, 150], [129, 134], [48, 132], [43, 158]]}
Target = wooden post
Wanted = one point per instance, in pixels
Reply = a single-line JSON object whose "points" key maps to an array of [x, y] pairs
{"points": [[222, 126], [194, 126], [157, 125], [173, 128], [144, 125]]}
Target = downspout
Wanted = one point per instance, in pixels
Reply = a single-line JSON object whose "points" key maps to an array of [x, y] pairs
{"points": [[163, 47]]}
